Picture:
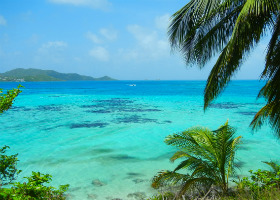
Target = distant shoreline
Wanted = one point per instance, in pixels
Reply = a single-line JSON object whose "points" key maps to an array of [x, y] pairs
{"points": [[39, 75], [63, 81]]}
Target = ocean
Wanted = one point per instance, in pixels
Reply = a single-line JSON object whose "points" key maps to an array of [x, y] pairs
{"points": [[106, 139]]}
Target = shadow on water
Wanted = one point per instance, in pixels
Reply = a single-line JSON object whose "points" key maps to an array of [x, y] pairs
{"points": [[118, 105], [226, 105], [247, 113], [20, 108], [89, 125], [165, 156], [100, 151], [244, 148], [133, 174], [115, 158], [52, 161], [51, 107], [98, 111], [134, 119]]}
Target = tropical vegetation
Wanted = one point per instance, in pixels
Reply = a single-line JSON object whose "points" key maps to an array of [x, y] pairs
{"points": [[261, 180], [34, 188], [230, 29], [7, 99], [208, 160]]}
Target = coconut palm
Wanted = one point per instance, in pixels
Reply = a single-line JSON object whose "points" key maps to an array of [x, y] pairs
{"points": [[230, 29], [208, 159]]}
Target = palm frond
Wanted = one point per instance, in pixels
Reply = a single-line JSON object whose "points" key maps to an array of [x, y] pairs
{"points": [[195, 141], [208, 157], [250, 26], [271, 91], [179, 154], [274, 166], [194, 163], [212, 40], [272, 57], [269, 111], [200, 38], [201, 182], [188, 17], [164, 178]]}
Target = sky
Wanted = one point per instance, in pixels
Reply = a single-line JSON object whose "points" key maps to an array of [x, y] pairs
{"points": [[123, 39]]}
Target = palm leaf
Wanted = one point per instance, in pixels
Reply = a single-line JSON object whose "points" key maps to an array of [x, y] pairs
{"points": [[250, 26], [270, 111], [203, 182], [200, 38], [179, 154], [168, 177], [274, 166]]}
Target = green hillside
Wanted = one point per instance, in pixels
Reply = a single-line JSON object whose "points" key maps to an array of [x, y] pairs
{"points": [[32, 75]]}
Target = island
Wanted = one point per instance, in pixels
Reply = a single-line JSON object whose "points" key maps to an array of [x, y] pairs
{"points": [[35, 75]]}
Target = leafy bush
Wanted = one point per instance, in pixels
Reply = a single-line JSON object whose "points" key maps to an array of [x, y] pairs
{"points": [[8, 170], [34, 189], [271, 194], [6, 100], [261, 179]]}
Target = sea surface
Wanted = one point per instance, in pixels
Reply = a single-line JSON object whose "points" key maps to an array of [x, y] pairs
{"points": [[106, 139]]}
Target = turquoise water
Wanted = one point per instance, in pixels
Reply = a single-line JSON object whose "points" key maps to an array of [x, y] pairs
{"points": [[81, 132]]}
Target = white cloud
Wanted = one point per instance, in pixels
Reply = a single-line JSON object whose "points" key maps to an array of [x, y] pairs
{"points": [[109, 34], [106, 34], [100, 53], [129, 54], [94, 38], [162, 22], [2, 20], [149, 43], [54, 44], [96, 4], [53, 51]]}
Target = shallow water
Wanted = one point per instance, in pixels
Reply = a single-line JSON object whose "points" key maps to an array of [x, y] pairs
{"points": [[106, 138]]}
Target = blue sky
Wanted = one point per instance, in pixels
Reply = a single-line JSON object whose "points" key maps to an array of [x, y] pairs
{"points": [[124, 39]]}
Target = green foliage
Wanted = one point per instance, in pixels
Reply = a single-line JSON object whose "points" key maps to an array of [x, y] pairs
{"points": [[34, 189], [273, 194], [208, 159], [6, 100], [230, 29], [261, 179], [8, 170]]}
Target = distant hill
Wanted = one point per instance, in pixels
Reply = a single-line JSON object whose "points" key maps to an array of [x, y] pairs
{"points": [[26, 75]]}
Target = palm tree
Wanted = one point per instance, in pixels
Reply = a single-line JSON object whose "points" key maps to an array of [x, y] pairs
{"points": [[208, 159], [203, 29]]}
